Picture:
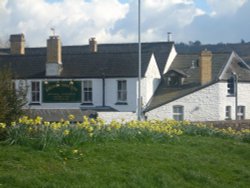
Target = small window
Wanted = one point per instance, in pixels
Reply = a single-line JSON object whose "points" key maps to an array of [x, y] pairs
{"points": [[228, 113], [174, 80], [178, 113], [35, 92], [87, 91], [241, 112], [121, 91]]}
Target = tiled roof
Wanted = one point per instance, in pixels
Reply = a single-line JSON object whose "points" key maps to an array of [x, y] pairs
{"points": [[56, 114], [111, 60], [89, 65], [188, 64], [239, 67]]}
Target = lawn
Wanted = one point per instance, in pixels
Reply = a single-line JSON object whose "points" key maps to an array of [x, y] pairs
{"points": [[187, 161]]}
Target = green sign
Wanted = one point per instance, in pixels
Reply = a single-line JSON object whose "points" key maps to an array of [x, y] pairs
{"points": [[62, 92]]}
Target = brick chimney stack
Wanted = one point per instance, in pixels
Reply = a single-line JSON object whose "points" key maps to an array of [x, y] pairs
{"points": [[54, 50], [17, 44], [54, 56], [92, 45], [205, 67]]}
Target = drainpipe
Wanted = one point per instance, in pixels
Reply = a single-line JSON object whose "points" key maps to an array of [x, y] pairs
{"points": [[236, 95], [103, 90], [139, 107]]}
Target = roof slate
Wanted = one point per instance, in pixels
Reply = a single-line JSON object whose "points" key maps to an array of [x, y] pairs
{"points": [[53, 115], [111, 60], [239, 67]]}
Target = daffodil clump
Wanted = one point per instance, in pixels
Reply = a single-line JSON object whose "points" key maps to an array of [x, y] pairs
{"points": [[42, 134], [209, 130]]}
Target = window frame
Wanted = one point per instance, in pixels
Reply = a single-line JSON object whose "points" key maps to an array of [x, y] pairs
{"points": [[241, 115], [87, 91], [178, 115], [122, 91], [35, 92], [228, 112]]}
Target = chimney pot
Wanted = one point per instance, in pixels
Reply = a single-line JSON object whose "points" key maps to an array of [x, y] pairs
{"points": [[169, 37]]}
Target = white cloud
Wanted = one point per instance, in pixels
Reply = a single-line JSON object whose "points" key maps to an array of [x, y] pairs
{"points": [[225, 7], [158, 17], [75, 21], [112, 21], [220, 28]]}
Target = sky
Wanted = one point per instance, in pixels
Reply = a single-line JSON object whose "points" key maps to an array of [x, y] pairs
{"points": [[115, 21]]}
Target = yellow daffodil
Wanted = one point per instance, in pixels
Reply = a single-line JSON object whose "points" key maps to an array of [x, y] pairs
{"points": [[66, 132], [92, 121], [38, 120], [46, 123], [2, 125], [71, 117], [13, 124]]}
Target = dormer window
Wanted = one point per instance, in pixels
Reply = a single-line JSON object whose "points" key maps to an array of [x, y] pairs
{"points": [[175, 78]]}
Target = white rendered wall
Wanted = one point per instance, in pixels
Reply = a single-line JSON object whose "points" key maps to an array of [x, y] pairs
{"points": [[111, 94], [243, 99], [207, 104], [202, 105], [170, 60], [53, 69], [117, 116], [151, 81]]}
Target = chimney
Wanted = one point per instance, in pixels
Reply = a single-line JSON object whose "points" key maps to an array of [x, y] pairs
{"points": [[54, 56], [92, 45], [205, 67], [54, 50], [17, 44]]}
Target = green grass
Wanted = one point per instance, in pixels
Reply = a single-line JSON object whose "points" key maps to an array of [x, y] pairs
{"points": [[189, 161]]}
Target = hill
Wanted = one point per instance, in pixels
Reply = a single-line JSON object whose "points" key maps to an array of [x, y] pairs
{"points": [[242, 49]]}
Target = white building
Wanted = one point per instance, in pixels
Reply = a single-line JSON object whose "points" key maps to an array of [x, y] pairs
{"points": [[87, 79], [195, 88], [102, 80]]}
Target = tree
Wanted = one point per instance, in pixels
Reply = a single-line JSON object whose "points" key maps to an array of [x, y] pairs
{"points": [[242, 41], [4, 43], [12, 99], [197, 43]]}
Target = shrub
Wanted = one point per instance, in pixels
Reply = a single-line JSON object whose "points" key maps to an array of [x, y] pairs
{"points": [[11, 100]]}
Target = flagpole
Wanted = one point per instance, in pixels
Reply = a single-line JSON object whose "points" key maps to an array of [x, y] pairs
{"points": [[139, 61]]}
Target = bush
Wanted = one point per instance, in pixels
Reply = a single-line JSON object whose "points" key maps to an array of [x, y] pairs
{"points": [[11, 99]]}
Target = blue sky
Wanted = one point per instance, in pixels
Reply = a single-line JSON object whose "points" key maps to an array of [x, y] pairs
{"points": [[199, 3], [209, 21], [202, 4], [52, 1]]}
